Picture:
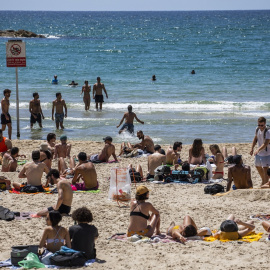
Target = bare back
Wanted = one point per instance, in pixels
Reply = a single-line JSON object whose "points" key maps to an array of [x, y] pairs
{"points": [[34, 172], [241, 176], [147, 143], [106, 152], [88, 173], [62, 150], [66, 192], [171, 156], [154, 161]]}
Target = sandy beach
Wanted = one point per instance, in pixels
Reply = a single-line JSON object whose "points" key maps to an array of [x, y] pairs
{"points": [[173, 201]]}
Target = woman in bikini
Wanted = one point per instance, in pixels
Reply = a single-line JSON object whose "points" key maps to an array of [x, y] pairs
{"points": [[197, 153], [218, 161], [46, 155], [140, 215], [51, 138], [54, 236]]}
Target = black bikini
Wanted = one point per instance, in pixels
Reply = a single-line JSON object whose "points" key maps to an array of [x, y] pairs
{"points": [[140, 214]]}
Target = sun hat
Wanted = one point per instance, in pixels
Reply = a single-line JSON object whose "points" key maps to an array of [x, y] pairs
{"points": [[141, 190]]}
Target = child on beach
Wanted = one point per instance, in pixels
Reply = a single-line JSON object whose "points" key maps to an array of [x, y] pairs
{"points": [[54, 236], [83, 235]]}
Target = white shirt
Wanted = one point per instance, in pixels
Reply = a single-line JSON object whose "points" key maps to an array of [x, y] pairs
{"points": [[260, 138]]}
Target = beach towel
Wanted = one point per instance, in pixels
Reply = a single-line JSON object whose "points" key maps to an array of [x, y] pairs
{"points": [[13, 190], [261, 217], [248, 238], [87, 191], [21, 162]]}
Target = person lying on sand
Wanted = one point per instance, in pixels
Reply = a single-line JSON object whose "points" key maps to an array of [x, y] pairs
{"points": [[86, 171], [65, 194], [172, 154], [240, 174], [155, 160], [218, 160], [107, 151], [187, 229], [140, 215], [229, 229]]}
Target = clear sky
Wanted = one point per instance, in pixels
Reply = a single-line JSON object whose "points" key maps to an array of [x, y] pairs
{"points": [[133, 5]]}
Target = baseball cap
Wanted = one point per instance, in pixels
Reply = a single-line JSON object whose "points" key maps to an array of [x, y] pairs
{"points": [[108, 138], [63, 138], [141, 190]]}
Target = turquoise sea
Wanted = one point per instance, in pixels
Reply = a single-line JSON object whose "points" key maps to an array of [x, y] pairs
{"points": [[229, 50]]}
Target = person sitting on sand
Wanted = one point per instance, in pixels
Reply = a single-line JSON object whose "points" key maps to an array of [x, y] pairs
{"points": [[10, 162], [83, 235], [62, 150], [4, 183], [218, 160], [187, 229], [139, 215], [65, 194], [197, 153], [229, 229], [129, 118], [54, 236], [86, 171], [172, 154], [33, 171], [107, 151], [146, 144], [240, 174], [155, 160], [51, 138], [45, 155], [135, 173]]}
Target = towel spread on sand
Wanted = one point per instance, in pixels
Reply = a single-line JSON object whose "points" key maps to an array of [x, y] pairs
{"points": [[261, 217], [248, 238], [87, 191], [46, 191], [21, 162]]}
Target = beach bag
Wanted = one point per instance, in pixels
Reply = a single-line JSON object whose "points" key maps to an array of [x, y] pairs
{"points": [[120, 184], [161, 172], [29, 189], [134, 176], [6, 214], [31, 261], [213, 189], [229, 226], [18, 253]]}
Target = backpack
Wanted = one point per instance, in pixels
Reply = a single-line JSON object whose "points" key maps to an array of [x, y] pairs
{"points": [[134, 176], [213, 189], [6, 214], [18, 253], [29, 189], [264, 133], [68, 259]]}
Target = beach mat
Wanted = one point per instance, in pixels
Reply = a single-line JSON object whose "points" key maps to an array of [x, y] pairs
{"points": [[261, 217], [13, 190], [87, 191]]}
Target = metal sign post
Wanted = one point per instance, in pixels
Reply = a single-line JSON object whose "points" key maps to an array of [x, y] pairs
{"points": [[16, 57]]}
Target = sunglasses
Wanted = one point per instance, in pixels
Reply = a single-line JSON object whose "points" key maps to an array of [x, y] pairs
{"points": [[260, 125]]}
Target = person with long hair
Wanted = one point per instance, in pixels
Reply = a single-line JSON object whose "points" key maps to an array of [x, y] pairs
{"points": [[218, 161], [140, 215], [197, 153]]}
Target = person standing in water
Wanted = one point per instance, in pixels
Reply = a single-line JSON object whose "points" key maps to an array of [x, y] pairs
{"points": [[97, 93], [86, 89]]}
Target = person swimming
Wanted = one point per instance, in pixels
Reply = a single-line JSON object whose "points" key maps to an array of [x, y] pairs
{"points": [[55, 80], [73, 83]]}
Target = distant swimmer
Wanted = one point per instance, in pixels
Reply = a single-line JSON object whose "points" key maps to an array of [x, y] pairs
{"points": [[97, 93], [5, 116], [59, 105], [129, 118], [73, 83], [35, 110], [193, 72], [55, 81], [86, 89], [154, 78]]}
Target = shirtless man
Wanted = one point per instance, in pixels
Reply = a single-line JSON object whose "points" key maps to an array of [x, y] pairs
{"points": [[129, 118], [107, 151], [86, 89], [146, 144], [87, 172], [35, 110], [240, 174], [33, 171], [155, 160], [97, 93], [9, 160], [65, 194], [172, 154], [5, 116], [59, 105]]}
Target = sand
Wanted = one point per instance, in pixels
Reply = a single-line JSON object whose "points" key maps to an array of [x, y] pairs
{"points": [[172, 200]]}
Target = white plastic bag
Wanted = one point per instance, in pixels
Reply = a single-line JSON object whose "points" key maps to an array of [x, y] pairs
{"points": [[120, 184]]}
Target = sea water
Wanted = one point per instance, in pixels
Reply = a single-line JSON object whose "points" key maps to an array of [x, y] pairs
{"points": [[229, 51]]}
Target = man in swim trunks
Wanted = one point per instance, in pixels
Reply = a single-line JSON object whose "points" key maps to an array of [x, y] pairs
{"points": [[5, 116], [129, 118], [65, 194], [97, 93], [262, 154], [9, 160], [35, 110], [87, 172], [107, 151], [59, 105], [146, 144], [172, 154], [86, 89], [33, 171], [240, 174], [155, 160]]}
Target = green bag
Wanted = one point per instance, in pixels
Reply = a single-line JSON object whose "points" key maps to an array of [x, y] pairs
{"points": [[31, 261]]}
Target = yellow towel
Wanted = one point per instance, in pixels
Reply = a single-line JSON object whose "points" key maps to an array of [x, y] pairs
{"points": [[248, 238]]}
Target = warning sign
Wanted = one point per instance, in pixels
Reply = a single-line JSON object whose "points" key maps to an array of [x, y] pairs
{"points": [[15, 53]]}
